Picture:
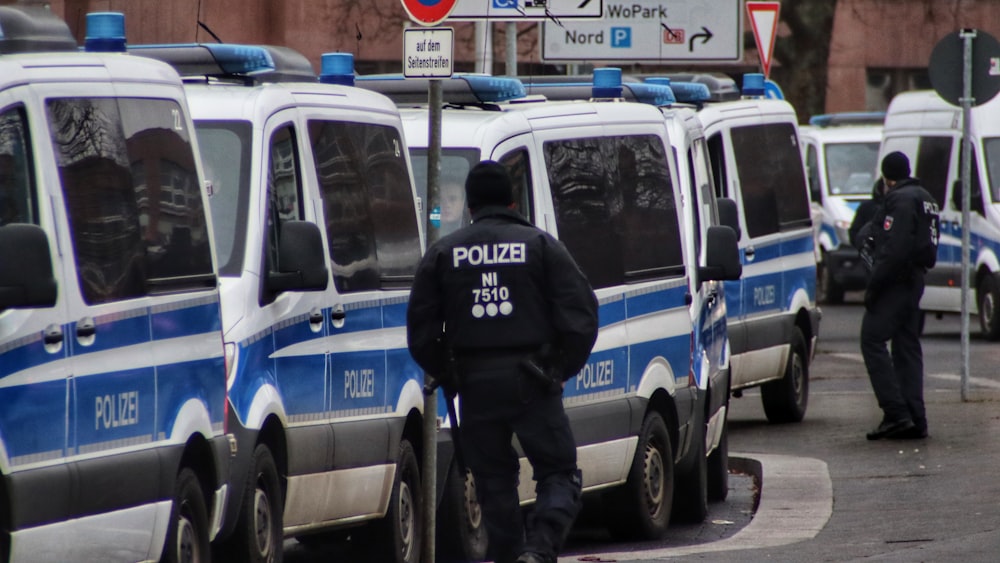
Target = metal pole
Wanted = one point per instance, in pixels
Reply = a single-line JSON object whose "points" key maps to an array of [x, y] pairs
{"points": [[967, 38], [511, 48], [435, 101]]}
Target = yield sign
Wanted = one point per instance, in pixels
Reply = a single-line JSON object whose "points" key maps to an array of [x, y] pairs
{"points": [[764, 18]]}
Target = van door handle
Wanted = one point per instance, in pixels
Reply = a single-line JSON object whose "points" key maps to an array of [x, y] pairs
{"points": [[337, 315], [86, 328], [750, 252], [53, 335], [315, 317]]}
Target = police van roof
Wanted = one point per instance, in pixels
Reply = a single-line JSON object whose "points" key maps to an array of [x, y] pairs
{"points": [[249, 64], [848, 118], [33, 29], [460, 89]]}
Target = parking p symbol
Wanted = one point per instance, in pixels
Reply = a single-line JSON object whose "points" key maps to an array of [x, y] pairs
{"points": [[621, 37]]}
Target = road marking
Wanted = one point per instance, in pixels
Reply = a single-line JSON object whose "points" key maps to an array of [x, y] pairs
{"points": [[796, 501], [983, 382]]}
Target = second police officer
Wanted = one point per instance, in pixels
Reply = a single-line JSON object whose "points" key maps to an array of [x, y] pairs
{"points": [[500, 312], [903, 236]]}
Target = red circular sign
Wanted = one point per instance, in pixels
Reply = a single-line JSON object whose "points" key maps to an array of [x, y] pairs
{"points": [[428, 12]]}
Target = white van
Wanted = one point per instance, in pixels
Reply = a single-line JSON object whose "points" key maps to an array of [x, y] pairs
{"points": [[773, 318], [112, 374], [612, 182], [929, 131], [841, 157], [318, 238]]}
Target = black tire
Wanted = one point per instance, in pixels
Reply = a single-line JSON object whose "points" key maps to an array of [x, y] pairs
{"points": [[718, 468], [187, 537], [640, 509], [461, 532], [397, 537], [259, 536], [785, 399], [827, 289], [691, 489], [989, 307]]}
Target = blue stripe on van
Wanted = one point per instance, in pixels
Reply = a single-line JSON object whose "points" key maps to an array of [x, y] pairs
{"points": [[34, 419], [187, 319], [656, 301], [25, 353], [125, 328], [611, 312]]}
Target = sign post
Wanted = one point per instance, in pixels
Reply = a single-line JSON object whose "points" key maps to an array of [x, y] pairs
{"points": [[764, 20], [965, 71]]}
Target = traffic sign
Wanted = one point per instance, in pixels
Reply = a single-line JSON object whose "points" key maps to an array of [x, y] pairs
{"points": [[428, 52], [527, 10], [650, 30], [764, 19], [428, 12], [946, 67]]}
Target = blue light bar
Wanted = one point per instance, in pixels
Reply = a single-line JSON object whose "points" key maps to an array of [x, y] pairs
{"points": [[848, 118], [642, 92], [495, 88], [753, 85], [460, 89], [105, 32], [337, 68], [33, 29], [690, 92], [607, 82], [241, 59]]}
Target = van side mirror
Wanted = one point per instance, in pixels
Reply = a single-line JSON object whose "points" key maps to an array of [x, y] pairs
{"points": [[301, 259], [722, 255], [729, 215], [26, 278]]}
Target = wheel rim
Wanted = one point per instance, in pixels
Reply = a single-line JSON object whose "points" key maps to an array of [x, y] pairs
{"points": [[823, 283], [187, 538], [473, 511], [406, 517], [986, 310], [798, 378], [263, 523], [654, 476]]}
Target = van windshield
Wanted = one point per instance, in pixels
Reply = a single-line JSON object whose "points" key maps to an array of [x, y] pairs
{"points": [[991, 148], [850, 168], [225, 154], [446, 211]]}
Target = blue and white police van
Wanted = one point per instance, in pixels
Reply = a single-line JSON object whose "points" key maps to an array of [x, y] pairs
{"points": [[929, 131], [754, 148], [112, 373], [613, 184], [318, 239], [840, 152]]}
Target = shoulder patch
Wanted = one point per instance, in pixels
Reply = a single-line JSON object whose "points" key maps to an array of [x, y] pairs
{"points": [[888, 223]]}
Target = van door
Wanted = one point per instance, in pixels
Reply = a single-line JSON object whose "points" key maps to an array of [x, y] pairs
{"points": [[33, 341]]}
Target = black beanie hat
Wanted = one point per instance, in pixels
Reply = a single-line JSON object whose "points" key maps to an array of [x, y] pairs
{"points": [[895, 166], [488, 183]]}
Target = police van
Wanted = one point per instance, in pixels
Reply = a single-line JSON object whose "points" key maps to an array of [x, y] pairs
{"points": [[929, 131], [318, 240], [753, 144], [112, 372], [841, 152], [617, 187]]}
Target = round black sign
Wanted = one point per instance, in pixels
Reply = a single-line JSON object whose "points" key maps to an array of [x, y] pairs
{"points": [[946, 67]]}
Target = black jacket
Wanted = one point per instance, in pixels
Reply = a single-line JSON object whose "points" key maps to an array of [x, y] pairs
{"points": [[905, 232], [500, 284], [864, 213]]}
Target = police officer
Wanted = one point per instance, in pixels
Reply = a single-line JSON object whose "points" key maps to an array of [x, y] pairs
{"points": [[500, 311], [904, 235]]}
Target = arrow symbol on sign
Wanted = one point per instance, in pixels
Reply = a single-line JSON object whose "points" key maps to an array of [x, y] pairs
{"points": [[582, 4], [704, 37]]}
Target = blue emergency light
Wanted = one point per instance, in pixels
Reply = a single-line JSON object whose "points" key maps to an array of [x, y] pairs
{"points": [[848, 118], [690, 92], [337, 68], [105, 32], [642, 92], [753, 85], [607, 82], [248, 63]]}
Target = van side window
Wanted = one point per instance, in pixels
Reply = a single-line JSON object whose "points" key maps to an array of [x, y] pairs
{"points": [[132, 195], [771, 178], [812, 171], [371, 217], [933, 158], [519, 167], [225, 154], [976, 195], [991, 150], [614, 205], [284, 189], [717, 157], [17, 198]]}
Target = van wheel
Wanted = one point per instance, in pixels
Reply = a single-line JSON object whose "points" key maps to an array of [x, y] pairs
{"points": [[397, 537], [187, 538], [691, 489], [827, 289], [640, 509], [461, 533], [718, 468], [258, 535], [785, 400], [989, 307]]}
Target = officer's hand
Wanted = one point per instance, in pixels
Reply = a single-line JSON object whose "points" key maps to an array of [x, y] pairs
{"points": [[870, 298]]}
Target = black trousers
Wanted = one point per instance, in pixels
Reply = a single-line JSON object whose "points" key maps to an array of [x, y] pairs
{"points": [[497, 403], [897, 378]]}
